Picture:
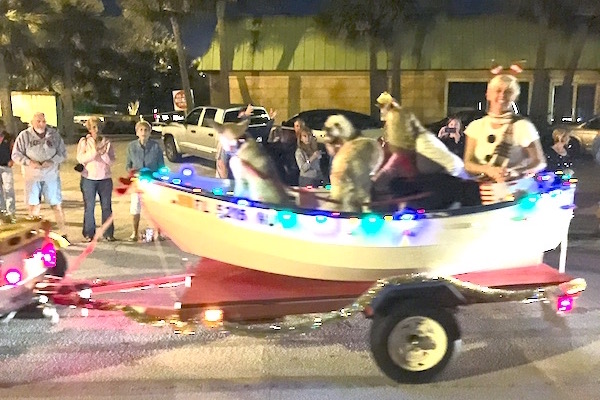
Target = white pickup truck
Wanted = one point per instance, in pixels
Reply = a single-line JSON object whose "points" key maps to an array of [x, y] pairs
{"points": [[196, 136]]}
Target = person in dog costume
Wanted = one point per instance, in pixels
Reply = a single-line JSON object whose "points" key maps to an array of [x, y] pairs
{"points": [[419, 162], [255, 175], [353, 164]]}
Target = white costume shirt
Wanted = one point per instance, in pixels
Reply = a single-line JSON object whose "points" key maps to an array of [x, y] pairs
{"points": [[429, 146], [523, 131]]}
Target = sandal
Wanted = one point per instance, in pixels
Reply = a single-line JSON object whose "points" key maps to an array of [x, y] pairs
{"points": [[132, 238], [110, 239], [87, 239]]}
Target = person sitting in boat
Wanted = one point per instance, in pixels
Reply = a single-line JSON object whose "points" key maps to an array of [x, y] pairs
{"points": [[419, 163], [255, 175], [353, 164], [308, 159], [503, 145]]}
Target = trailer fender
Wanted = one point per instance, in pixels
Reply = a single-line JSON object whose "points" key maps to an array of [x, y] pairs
{"points": [[433, 294]]}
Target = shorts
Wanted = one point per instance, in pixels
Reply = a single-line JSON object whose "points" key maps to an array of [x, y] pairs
{"points": [[50, 189], [136, 204]]}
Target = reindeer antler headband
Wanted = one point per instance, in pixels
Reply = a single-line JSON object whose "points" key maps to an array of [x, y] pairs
{"points": [[514, 68]]}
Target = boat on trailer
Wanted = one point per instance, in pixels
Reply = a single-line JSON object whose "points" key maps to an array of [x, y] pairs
{"points": [[298, 268], [202, 217]]}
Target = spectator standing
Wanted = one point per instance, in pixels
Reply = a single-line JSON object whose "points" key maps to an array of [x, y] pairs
{"points": [[558, 159], [142, 153], [96, 155], [7, 182], [40, 150]]}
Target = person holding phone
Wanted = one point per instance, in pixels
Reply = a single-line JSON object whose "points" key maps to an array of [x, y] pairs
{"points": [[451, 135]]}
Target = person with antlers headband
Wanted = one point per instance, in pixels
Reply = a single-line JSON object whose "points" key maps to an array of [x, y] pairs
{"points": [[503, 145]]}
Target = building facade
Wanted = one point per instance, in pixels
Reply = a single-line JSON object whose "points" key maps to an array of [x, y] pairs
{"points": [[288, 64]]}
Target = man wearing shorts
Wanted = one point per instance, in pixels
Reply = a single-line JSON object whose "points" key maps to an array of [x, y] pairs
{"points": [[142, 153], [40, 150]]}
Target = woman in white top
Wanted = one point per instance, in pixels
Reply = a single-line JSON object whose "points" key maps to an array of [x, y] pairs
{"points": [[502, 143], [96, 155]]}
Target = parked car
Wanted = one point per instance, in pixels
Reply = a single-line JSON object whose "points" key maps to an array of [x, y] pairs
{"points": [[114, 124], [315, 119], [165, 118], [582, 136], [196, 136]]}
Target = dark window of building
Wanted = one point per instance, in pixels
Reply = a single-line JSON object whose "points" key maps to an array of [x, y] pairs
{"points": [[566, 93], [584, 103], [471, 96], [584, 107]]}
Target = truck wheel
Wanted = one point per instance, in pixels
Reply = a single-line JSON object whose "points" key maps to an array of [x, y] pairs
{"points": [[171, 151], [414, 344]]}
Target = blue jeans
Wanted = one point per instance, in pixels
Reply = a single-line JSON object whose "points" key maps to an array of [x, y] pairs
{"points": [[89, 189]]}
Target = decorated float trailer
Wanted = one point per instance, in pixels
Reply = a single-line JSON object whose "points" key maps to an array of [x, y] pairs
{"points": [[29, 255], [297, 268]]}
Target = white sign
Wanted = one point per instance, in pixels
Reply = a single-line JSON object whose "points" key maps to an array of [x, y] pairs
{"points": [[179, 103]]}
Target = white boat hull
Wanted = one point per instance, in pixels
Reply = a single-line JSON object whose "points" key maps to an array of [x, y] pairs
{"points": [[316, 246]]}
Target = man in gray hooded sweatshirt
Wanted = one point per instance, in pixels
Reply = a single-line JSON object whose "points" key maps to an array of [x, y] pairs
{"points": [[40, 150]]}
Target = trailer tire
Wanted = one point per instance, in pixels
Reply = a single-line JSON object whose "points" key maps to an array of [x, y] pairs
{"points": [[60, 269], [397, 341], [171, 150]]}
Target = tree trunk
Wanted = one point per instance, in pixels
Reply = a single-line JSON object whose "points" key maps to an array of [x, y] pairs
{"points": [[183, 70], [396, 85], [5, 100], [377, 78], [222, 96], [540, 90], [423, 28], [67, 101], [564, 104]]}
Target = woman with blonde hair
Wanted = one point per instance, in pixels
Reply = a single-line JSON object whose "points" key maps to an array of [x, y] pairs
{"points": [[96, 155], [502, 143], [308, 158]]}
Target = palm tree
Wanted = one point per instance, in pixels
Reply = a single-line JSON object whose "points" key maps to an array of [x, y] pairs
{"points": [[576, 18], [19, 21], [378, 24], [158, 14], [74, 34]]}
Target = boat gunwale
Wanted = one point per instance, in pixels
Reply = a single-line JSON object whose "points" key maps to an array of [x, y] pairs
{"points": [[437, 213]]}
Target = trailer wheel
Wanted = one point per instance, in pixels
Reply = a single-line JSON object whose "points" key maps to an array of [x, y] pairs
{"points": [[171, 150], [413, 344], [60, 269]]}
